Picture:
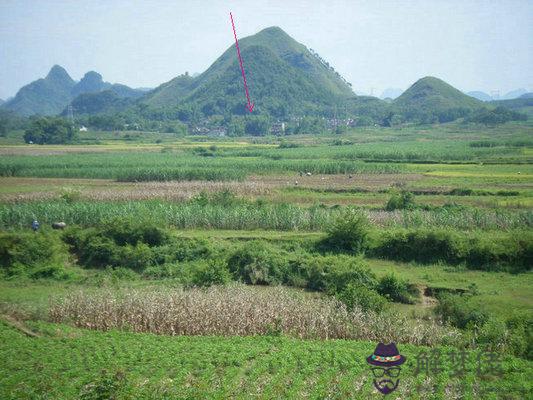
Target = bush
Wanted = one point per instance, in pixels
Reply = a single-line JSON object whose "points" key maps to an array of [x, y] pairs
{"points": [[257, 263], [400, 201], [332, 274], [56, 272], [482, 251], [349, 233], [396, 290], [422, 246], [520, 326], [354, 295], [20, 253], [125, 231], [460, 312], [514, 253], [207, 273]]}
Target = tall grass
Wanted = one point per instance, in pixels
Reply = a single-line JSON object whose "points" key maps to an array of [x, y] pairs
{"points": [[394, 149], [182, 166], [252, 215], [238, 310]]}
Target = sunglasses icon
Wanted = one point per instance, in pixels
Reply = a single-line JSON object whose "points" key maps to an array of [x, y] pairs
{"points": [[393, 372]]}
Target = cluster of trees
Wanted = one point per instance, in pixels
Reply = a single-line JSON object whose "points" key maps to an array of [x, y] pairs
{"points": [[9, 121], [49, 130], [499, 115]]}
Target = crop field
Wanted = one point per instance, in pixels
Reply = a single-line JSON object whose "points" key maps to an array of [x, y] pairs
{"points": [[267, 267], [148, 366]]}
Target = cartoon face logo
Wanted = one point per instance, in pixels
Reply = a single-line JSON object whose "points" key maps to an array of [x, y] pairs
{"points": [[385, 366]]}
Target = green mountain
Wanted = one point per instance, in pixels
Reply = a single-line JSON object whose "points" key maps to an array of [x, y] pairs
{"points": [[50, 95], [90, 83], [107, 101], [283, 77], [430, 100], [45, 96], [110, 99]]}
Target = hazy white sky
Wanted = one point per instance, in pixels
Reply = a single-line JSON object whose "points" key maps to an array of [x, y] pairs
{"points": [[474, 45]]}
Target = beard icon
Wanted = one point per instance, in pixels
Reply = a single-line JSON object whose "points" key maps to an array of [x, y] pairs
{"points": [[386, 386]]}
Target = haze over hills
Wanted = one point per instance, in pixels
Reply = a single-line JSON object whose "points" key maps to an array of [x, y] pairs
{"points": [[391, 93], [480, 95], [281, 73], [50, 95], [514, 94]]}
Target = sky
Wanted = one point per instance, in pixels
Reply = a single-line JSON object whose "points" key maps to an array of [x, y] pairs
{"points": [[473, 45]]}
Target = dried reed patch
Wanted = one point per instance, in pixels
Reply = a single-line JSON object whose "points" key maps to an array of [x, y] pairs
{"points": [[35, 189], [237, 310], [176, 190], [367, 181]]}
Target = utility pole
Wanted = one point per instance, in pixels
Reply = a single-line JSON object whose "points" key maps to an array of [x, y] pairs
{"points": [[70, 111]]}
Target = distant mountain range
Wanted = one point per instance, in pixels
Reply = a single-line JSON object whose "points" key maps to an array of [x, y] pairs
{"points": [[514, 94], [391, 93], [480, 95], [285, 78], [50, 95]]}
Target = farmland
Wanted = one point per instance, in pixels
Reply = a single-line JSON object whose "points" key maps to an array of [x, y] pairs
{"points": [[213, 267]]}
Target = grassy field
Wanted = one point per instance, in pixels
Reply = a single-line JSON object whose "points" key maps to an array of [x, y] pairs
{"points": [[69, 361], [447, 270]]}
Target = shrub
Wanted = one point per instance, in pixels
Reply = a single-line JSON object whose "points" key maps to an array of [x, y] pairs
{"points": [[210, 273], [22, 252], [400, 201], [126, 231], [520, 326], [481, 251], [396, 289], [184, 250], [513, 335], [57, 272], [257, 263], [354, 295], [332, 274], [349, 233], [122, 243], [460, 312], [514, 253], [136, 257], [422, 246]]}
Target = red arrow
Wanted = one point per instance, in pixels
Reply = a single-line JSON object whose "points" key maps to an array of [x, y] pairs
{"points": [[250, 107]]}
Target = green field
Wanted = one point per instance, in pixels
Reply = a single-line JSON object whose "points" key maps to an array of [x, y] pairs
{"points": [[159, 228], [68, 361]]}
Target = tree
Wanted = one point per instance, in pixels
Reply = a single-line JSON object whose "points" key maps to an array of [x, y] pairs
{"points": [[49, 130], [235, 127], [257, 125]]}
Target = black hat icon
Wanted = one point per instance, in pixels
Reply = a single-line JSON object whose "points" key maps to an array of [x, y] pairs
{"points": [[386, 355]]}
